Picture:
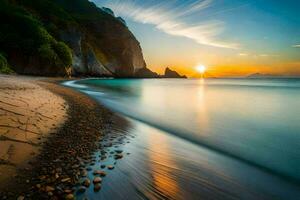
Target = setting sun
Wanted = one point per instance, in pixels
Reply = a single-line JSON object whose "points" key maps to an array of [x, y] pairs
{"points": [[201, 68]]}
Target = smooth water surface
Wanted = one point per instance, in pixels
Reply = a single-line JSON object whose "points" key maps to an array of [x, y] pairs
{"points": [[242, 123]]}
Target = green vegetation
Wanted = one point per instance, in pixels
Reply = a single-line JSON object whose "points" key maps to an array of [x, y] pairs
{"points": [[33, 32], [4, 68], [23, 34]]}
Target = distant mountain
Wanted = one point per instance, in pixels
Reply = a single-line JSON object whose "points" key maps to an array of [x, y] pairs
{"points": [[260, 75], [60, 37]]}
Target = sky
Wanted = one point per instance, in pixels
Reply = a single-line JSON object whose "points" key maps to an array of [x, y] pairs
{"points": [[229, 37]]}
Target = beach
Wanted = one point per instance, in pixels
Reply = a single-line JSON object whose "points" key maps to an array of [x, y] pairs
{"points": [[43, 156], [101, 142], [29, 114]]}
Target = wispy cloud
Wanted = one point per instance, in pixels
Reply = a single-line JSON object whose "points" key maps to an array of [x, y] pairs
{"points": [[263, 55], [169, 18], [268, 55], [296, 46]]}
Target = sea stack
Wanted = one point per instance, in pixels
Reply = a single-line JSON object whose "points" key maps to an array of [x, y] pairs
{"points": [[172, 74]]}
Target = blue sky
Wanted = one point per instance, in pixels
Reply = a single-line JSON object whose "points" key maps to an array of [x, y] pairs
{"points": [[259, 35]]}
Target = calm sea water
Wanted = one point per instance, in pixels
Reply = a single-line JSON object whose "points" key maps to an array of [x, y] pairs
{"points": [[234, 138]]}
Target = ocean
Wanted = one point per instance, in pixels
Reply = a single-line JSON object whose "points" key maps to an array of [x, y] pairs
{"points": [[204, 138]]}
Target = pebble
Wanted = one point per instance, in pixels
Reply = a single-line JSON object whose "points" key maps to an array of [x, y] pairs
{"points": [[21, 198], [49, 188], [70, 197], [110, 167], [67, 191], [97, 180], [97, 187], [103, 166], [99, 172], [118, 156], [118, 151], [81, 189], [89, 169], [86, 182], [83, 173]]}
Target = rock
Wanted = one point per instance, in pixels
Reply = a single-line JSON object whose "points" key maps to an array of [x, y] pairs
{"points": [[97, 180], [69, 197], [118, 151], [21, 198], [49, 189], [99, 172], [103, 157], [75, 166], [110, 167], [89, 169], [83, 173], [81, 189], [67, 191], [103, 166], [118, 156], [97, 187], [66, 180], [86, 182], [172, 74]]}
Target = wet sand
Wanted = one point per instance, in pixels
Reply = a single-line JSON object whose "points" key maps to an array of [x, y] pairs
{"points": [[62, 150]]}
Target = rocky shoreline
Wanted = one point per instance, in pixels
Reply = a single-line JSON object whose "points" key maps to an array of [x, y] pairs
{"points": [[60, 169]]}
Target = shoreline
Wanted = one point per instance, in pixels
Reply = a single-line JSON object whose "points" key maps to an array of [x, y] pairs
{"points": [[57, 168]]}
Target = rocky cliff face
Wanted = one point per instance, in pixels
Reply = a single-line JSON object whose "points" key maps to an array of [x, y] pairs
{"points": [[113, 46], [101, 44]]}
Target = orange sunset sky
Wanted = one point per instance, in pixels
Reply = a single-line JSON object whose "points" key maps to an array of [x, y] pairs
{"points": [[230, 38]]}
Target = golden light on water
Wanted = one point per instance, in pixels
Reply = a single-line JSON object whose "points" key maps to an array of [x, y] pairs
{"points": [[201, 69]]}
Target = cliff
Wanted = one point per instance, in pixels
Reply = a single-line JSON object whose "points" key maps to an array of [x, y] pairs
{"points": [[61, 37]]}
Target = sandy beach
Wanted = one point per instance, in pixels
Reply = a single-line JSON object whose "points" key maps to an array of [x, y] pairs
{"points": [[48, 133], [29, 113]]}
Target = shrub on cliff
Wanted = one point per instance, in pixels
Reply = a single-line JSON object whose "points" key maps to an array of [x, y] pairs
{"points": [[4, 68], [64, 53], [57, 53]]}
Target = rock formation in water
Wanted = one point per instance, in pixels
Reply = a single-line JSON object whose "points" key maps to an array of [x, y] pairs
{"points": [[146, 73], [172, 74], [58, 37]]}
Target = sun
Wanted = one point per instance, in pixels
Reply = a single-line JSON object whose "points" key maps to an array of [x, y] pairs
{"points": [[201, 69]]}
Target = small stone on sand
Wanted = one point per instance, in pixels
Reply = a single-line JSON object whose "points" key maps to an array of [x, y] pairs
{"points": [[97, 180]]}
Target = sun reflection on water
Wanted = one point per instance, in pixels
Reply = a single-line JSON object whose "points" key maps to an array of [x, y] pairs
{"points": [[162, 174]]}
